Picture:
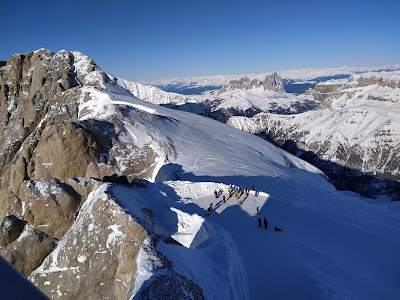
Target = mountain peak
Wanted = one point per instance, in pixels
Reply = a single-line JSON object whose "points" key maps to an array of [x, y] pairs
{"points": [[273, 82]]}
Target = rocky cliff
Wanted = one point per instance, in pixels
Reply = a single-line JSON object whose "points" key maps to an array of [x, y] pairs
{"points": [[242, 84], [55, 153], [273, 82]]}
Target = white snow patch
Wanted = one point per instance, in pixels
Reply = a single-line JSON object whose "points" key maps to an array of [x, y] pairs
{"points": [[188, 228], [81, 258]]}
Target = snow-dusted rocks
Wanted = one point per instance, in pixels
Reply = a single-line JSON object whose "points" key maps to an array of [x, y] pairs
{"points": [[97, 257], [56, 135], [22, 245], [247, 98], [49, 205]]}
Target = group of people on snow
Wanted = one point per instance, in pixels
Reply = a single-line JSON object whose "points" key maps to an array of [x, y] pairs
{"points": [[236, 191]]}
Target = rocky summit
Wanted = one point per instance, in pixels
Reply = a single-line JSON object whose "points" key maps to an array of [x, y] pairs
{"points": [[273, 82], [53, 155]]}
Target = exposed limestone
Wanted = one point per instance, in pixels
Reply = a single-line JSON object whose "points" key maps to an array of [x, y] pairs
{"points": [[273, 82], [64, 151], [22, 245], [49, 205], [10, 229], [165, 283], [240, 84], [54, 157], [97, 257]]}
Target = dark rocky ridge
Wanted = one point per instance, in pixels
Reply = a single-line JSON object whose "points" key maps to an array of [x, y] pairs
{"points": [[50, 162]]}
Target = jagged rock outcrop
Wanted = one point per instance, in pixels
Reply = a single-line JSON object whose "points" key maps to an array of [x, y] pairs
{"points": [[22, 245], [97, 257], [42, 136], [166, 283], [49, 205], [241, 84], [56, 150], [273, 82]]}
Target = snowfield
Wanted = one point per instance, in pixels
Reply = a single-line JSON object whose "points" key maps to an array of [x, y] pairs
{"points": [[334, 245]]}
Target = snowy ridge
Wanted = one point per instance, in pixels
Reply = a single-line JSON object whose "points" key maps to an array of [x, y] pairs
{"points": [[151, 94], [257, 97]]}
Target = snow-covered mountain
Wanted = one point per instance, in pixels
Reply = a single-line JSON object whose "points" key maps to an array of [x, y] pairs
{"points": [[356, 128], [73, 174], [297, 80], [248, 98]]}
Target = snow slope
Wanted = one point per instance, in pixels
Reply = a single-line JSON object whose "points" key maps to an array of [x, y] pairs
{"points": [[333, 245], [259, 99]]}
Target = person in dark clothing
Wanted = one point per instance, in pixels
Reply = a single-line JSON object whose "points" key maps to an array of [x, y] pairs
{"points": [[215, 194], [259, 222], [257, 210], [277, 229], [208, 211], [223, 198], [265, 223]]}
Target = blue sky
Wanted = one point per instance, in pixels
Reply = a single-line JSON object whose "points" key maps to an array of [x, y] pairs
{"points": [[146, 40]]}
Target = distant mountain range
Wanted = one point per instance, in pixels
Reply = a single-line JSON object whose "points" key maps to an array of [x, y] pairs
{"points": [[295, 81]]}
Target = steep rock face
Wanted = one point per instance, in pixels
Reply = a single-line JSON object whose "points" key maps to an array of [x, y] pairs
{"points": [[273, 82], [97, 257], [22, 245], [166, 282], [383, 87], [240, 84], [49, 205], [55, 150]]}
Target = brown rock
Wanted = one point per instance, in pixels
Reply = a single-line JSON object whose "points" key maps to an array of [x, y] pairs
{"points": [[273, 82], [25, 247], [64, 151], [97, 258], [242, 84], [49, 205]]}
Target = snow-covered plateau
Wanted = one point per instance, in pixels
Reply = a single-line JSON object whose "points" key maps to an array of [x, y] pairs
{"points": [[123, 187]]}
